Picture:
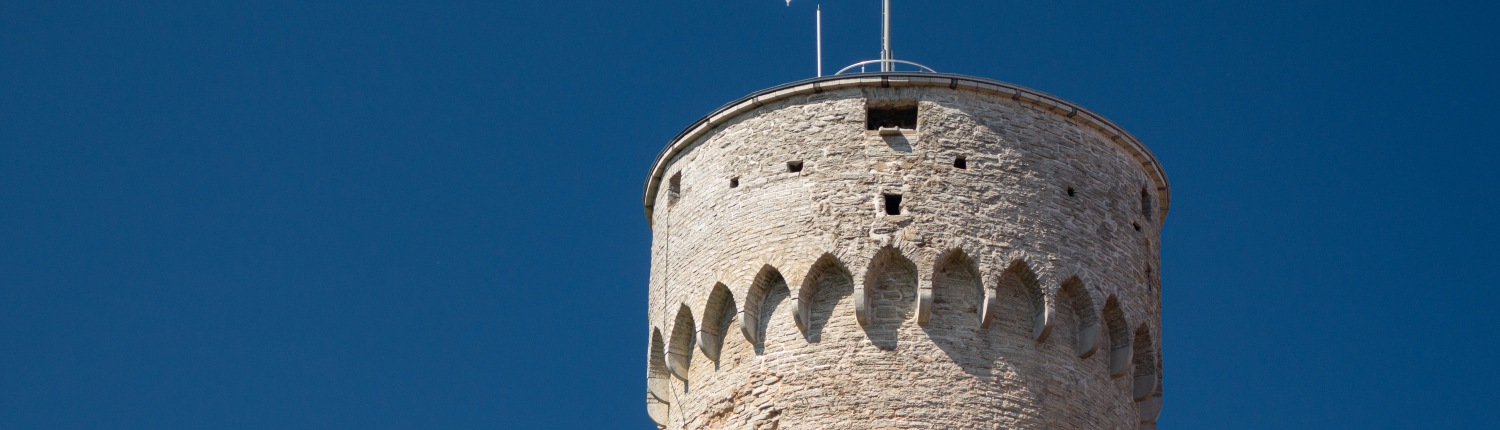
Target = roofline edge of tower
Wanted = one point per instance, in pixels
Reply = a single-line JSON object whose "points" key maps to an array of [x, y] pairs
{"points": [[754, 100]]}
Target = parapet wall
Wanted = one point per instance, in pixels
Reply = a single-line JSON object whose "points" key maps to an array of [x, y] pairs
{"points": [[991, 268]]}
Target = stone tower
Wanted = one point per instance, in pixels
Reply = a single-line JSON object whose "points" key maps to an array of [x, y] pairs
{"points": [[904, 250]]}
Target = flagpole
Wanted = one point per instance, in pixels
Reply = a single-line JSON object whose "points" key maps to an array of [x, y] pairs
{"points": [[820, 40], [885, 53]]}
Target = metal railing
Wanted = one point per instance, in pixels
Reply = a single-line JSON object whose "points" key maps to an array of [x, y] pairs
{"points": [[884, 62]]}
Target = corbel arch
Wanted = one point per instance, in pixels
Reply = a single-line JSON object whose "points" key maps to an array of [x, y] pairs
{"points": [[1119, 337], [768, 282], [680, 349], [1144, 381], [1019, 283], [718, 315], [957, 289], [1086, 316]]}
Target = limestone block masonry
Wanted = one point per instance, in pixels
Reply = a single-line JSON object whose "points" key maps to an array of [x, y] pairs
{"points": [[904, 251]]}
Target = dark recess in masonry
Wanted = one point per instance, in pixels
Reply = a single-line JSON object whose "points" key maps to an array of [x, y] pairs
{"points": [[1145, 204], [893, 204], [674, 188], [961, 162], [734, 182], [1070, 192], [898, 116], [794, 166]]}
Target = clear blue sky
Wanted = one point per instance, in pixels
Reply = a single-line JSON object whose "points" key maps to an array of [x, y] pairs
{"points": [[404, 215]]}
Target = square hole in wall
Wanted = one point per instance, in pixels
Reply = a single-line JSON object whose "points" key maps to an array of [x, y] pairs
{"points": [[794, 166], [893, 204], [734, 182], [961, 162]]}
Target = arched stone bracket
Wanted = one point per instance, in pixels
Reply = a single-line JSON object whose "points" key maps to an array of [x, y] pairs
{"points": [[1088, 341], [862, 306], [1119, 361], [1146, 371], [1143, 385], [861, 264], [1019, 275], [924, 294], [680, 350], [657, 409], [1082, 301], [710, 333], [767, 279], [656, 368], [1044, 324], [954, 259], [924, 302], [796, 279], [1119, 337], [987, 307], [882, 263], [1150, 409], [802, 298]]}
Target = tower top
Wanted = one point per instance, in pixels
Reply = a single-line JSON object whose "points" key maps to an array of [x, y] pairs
{"points": [[685, 140]]}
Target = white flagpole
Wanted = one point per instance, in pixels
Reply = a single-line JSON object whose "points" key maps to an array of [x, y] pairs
{"points": [[885, 53], [820, 40]]}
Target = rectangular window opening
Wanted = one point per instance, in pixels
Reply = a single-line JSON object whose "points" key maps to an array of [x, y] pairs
{"points": [[734, 182], [1145, 204], [674, 188], [961, 162], [794, 166], [903, 116], [893, 204]]}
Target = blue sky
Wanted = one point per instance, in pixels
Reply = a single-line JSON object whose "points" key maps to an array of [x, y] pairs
{"points": [[386, 215]]}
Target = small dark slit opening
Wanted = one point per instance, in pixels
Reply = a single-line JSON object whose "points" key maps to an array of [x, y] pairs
{"points": [[674, 187], [893, 204], [961, 162], [794, 166], [1070, 192], [734, 182], [1136, 225], [1145, 204]]}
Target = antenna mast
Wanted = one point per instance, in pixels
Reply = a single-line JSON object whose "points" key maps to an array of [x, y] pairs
{"points": [[885, 52]]}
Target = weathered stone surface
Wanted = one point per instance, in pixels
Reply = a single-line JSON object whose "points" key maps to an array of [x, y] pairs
{"points": [[796, 300]]}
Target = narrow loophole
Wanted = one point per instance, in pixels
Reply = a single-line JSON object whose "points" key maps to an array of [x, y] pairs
{"points": [[1136, 225], [893, 204], [674, 188], [1145, 204], [1070, 192], [794, 166], [734, 182], [961, 162]]}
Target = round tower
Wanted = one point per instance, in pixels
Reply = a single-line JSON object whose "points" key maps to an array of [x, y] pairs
{"points": [[904, 250]]}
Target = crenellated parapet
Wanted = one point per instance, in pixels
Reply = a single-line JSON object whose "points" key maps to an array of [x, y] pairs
{"points": [[989, 261]]}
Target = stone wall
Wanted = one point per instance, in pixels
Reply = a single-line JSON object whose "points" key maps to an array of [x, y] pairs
{"points": [[1015, 289]]}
